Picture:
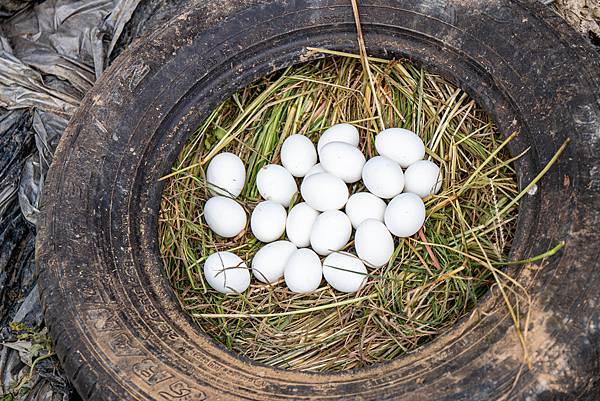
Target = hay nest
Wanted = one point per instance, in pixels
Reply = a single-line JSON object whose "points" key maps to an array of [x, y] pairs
{"points": [[432, 279]]}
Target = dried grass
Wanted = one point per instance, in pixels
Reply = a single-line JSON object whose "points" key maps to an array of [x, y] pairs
{"points": [[469, 227]]}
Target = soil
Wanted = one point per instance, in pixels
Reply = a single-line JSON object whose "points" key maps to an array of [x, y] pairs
{"points": [[583, 15]]}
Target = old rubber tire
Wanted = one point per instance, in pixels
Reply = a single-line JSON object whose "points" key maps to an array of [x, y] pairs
{"points": [[118, 328]]}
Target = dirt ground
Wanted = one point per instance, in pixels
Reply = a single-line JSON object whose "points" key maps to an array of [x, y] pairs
{"points": [[583, 15]]}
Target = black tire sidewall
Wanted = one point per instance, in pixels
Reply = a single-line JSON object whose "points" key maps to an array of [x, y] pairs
{"points": [[118, 327]]}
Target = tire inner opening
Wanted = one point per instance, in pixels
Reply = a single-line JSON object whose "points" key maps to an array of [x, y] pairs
{"points": [[469, 227]]}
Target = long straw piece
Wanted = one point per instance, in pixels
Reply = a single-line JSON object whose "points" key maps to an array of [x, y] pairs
{"points": [[365, 61]]}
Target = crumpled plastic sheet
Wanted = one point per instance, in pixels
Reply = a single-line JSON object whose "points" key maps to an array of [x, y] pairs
{"points": [[47, 128], [62, 38], [10, 7], [16, 237], [51, 53]]}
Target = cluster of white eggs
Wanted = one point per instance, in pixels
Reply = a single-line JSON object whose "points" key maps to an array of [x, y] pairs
{"points": [[317, 227]]}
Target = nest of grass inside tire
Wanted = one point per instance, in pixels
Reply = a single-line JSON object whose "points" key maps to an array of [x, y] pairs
{"points": [[432, 279]]}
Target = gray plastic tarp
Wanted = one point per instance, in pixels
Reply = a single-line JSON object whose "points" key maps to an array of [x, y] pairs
{"points": [[51, 53]]}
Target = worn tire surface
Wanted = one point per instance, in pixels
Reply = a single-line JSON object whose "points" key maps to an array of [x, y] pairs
{"points": [[117, 326]]}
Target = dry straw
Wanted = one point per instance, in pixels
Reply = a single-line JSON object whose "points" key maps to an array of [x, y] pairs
{"points": [[433, 278]]}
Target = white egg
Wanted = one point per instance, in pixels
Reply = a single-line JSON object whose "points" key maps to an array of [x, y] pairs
{"points": [[383, 177], [324, 191], [405, 215], [226, 175], [330, 232], [401, 145], [344, 272], [268, 221], [276, 184], [224, 216], [342, 160], [226, 273], [270, 261], [299, 224], [373, 243], [298, 155], [364, 205], [422, 178], [303, 272], [339, 133], [317, 168]]}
